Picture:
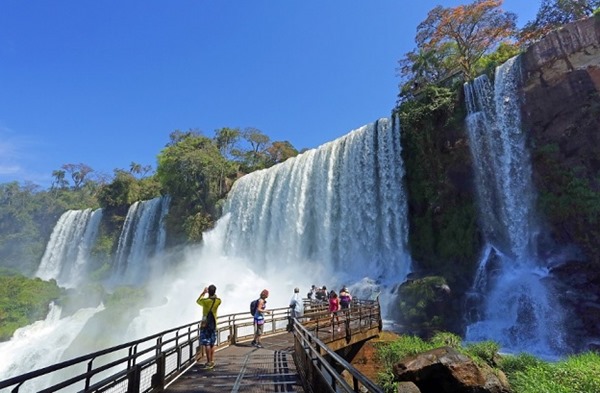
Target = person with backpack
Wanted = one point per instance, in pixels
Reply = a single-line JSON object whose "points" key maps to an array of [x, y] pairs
{"points": [[259, 317], [208, 326]]}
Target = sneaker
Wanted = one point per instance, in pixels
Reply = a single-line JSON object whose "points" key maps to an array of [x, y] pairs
{"points": [[253, 343], [209, 365], [259, 346]]}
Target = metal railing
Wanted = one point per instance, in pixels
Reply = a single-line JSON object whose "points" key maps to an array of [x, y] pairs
{"points": [[320, 367], [150, 363]]}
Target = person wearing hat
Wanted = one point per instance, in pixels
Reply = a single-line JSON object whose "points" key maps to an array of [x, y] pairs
{"points": [[259, 317]]}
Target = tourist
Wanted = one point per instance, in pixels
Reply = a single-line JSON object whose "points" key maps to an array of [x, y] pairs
{"points": [[296, 308], [259, 317], [208, 327], [345, 298], [334, 308]]}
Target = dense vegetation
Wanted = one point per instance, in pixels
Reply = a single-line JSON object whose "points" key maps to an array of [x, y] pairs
{"points": [[526, 373], [23, 301]]}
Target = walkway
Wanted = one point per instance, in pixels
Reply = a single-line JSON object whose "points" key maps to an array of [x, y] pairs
{"points": [[244, 368]]}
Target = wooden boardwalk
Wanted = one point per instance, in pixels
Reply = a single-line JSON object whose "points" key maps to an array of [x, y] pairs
{"points": [[244, 368]]}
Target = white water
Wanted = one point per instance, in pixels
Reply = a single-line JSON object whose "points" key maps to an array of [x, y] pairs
{"points": [[517, 309], [141, 242], [68, 249], [332, 216], [41, 344]]}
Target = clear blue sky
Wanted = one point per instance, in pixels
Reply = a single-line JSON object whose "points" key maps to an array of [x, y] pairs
{"points": [[104, 82]]}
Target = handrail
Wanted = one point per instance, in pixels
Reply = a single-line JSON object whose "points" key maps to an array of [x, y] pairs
{"points": [[310, 352], [150, 363]]}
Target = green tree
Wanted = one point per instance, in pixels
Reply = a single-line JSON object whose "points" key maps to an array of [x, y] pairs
{"points": [[192, 170], [279, 151], [122, 191], [59, 179], [226, 139], [255, 158], [554, 13]]}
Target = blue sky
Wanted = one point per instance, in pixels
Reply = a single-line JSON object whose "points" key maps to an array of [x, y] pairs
{"points": [[104, 83]]}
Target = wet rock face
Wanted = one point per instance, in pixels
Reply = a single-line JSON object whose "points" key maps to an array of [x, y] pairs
{"points": [[561, 113]]}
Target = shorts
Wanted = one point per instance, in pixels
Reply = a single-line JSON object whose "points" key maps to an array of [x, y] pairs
{"points": [[259, 327], [208, 337]]}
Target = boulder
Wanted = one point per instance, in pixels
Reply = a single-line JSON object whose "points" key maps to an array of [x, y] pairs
{"points": [[445, 370]]}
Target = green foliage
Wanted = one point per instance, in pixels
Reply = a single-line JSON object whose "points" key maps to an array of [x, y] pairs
{"points": [[422, 305], [446, 339], [443, 232], [195, 225], [484, 350], [565, 195], [488, 63], [23, 301], [576, 374]]}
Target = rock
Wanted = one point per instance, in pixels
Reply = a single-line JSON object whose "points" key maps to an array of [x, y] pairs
{"points": [[408, 387], [445, 370]]}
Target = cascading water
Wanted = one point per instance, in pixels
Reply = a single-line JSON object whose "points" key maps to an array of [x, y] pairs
{"points": [[339, 210], [517, 309], [41, 344], [331, 216], [68, 249], [142, 239]]}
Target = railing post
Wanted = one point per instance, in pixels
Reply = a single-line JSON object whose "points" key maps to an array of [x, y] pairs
{"points": [[133, 384], [158, 379]]}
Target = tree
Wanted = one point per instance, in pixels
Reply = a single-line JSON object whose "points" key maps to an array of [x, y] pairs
{"points": [[192, 170], [422, 67], [78, 173], [122, 191], [226, 138], [279, 151], [472, 30], [553, 14], [59, 179], [258, 142]]}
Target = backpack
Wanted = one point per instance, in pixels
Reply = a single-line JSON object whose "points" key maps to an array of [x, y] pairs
{"points": [[210, 321], [253, 305]]}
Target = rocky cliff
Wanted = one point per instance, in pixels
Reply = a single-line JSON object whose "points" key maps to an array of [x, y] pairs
{"points": [[561, 113]]}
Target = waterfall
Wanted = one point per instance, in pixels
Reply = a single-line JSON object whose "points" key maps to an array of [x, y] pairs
{"points": [[335, 215], [41, 344], [142, 238], [518, 310], [340, 208], [68, 249]]}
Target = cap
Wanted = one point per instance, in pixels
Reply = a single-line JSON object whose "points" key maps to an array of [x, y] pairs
{"points": [[296, 290]]}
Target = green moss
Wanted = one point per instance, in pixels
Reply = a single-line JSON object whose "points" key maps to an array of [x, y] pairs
{"points": [[444, 235]]}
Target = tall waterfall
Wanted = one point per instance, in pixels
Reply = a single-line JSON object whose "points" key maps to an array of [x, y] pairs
{"points": [[69, 247], [340, 209], [518, 310], [142, 238]]}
